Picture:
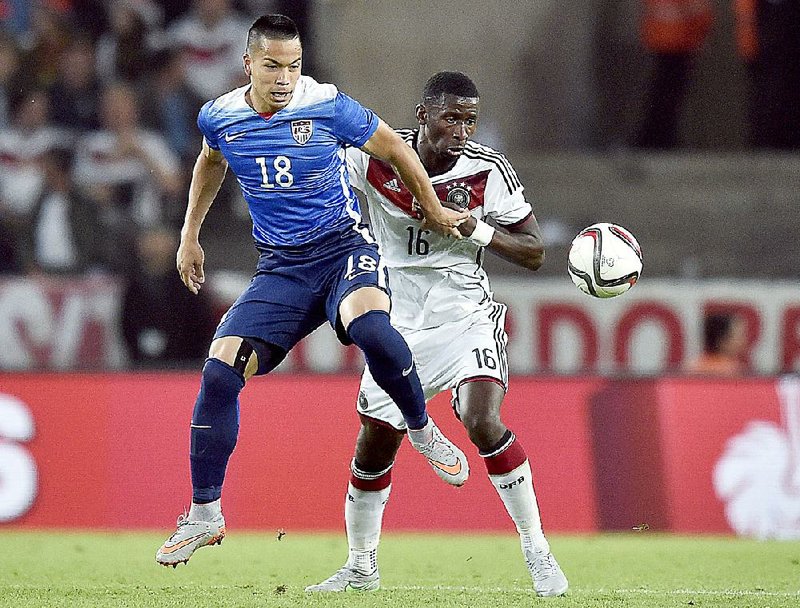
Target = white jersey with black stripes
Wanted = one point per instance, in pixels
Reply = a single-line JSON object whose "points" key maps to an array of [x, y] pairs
{"points": [[436, 279]]}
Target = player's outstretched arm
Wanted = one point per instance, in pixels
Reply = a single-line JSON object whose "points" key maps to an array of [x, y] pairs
{"points": [[389, 146], [209, 171]]}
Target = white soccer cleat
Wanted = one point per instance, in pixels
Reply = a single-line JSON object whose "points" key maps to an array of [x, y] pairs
{"points": [[348, 579], [447, 460], [188, 538], [548, 578]]}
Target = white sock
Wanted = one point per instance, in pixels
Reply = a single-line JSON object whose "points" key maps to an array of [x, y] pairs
{"points": [[363, 516], [205, 512], [516, 491], [423, 435]]}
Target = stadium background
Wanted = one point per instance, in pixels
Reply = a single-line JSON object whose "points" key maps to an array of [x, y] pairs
{"points": [[96, 382]]}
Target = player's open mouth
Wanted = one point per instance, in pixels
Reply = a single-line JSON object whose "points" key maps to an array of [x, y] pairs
{"points": [[456, 150], [281, 95]]}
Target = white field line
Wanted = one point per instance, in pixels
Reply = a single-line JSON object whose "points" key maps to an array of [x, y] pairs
{"points": [[711, 592]]}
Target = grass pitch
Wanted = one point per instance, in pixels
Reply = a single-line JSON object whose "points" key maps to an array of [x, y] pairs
{"points": [[39, 569]]}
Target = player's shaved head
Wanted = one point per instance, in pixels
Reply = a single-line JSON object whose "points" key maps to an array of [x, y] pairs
{"points": [[271, 27], [448, 83]]}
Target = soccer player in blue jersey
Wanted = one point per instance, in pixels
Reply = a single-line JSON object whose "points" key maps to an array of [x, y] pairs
{"points": [[284, 136]]}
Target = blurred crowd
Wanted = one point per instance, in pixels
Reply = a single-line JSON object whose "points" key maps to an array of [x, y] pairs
{"points": [[767, 38], [98, 102]]}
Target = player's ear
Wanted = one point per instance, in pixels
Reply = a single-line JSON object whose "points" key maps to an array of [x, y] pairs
{"points": [[246, 62], [422, 114]]}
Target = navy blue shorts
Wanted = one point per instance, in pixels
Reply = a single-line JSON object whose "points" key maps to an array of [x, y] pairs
{"points": [[296, 290]]}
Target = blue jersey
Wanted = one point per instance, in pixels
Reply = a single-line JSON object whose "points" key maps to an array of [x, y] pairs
{"points": [[291, 166]]}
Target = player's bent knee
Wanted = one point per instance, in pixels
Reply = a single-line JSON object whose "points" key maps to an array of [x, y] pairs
{"points": [[360, 302], [377, 444], [215, 423], [478, 419], [483, 425], [220, 382], [371, 329], [237, 352]]}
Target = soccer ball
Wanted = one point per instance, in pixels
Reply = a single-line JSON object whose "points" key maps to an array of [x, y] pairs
{"points": [[605, 260]]}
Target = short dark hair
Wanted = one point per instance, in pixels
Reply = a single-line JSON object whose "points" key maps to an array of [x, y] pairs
{"points": [[273, 27], [716, 328], [449, 83]]}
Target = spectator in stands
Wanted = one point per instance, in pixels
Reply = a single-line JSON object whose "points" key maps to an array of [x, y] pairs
{"points": [[673, 32], [209, 35], [10, 76], [10, 262], [76, 91], [724, 344], [163, 322], [22, 145], [174, 9], [172, 107], [768, 36], [125, 49], [62, 233], [125, 164], [49, 36]]}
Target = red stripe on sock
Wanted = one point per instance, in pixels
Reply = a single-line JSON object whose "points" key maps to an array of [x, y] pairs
{"points": [[372, 485], [507, 460]]}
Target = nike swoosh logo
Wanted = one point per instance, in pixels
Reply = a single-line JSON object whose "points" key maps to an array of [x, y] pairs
{"points": [[166, 550], [229, 137], [450, 469], [405, 372]]}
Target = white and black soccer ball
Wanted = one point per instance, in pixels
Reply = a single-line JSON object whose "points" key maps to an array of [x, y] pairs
{"points": [[605, 260]]}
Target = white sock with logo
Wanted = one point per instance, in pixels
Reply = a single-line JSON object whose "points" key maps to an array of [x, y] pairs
{"points": [[516, 491], [363, 516]]}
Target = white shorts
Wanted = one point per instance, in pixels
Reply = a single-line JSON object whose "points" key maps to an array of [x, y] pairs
{"points": [[471, 348]]}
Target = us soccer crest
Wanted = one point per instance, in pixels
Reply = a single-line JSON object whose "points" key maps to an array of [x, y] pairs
{"points": [[460, 194], [302, 130]]}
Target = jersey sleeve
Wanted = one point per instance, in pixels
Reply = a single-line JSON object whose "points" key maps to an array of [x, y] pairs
{"points": [[357, 162], [204, 124], [505, 197], [353, 123]]}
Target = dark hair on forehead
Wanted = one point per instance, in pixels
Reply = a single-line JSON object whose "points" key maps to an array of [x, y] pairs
{"points": [[273, 27], [449, 83]]}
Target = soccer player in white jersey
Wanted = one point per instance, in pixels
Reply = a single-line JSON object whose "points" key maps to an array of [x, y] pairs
{"points": [[284, 137], [443, 306]]}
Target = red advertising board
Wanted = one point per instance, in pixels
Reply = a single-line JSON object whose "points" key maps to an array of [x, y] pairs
{"points": [[699, 455], [112, 451], [679, 454]]}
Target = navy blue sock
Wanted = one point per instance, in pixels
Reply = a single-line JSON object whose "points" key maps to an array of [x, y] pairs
{"points": [[215, 426], [388, 356]]}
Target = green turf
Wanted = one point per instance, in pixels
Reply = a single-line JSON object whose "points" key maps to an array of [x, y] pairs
{"points": [[628, 571]]}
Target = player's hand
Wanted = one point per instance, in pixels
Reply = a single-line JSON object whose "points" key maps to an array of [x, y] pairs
{"points": [[190, 260], [466, 228], [446, 221]]}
